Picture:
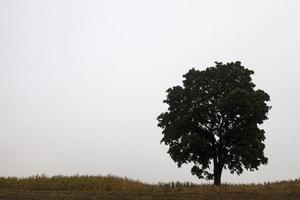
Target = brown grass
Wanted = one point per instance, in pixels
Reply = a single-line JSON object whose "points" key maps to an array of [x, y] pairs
{"points": [[112, 187]]}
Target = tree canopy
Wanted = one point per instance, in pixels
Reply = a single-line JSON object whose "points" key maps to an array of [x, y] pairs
{"points": [[213, 121]]}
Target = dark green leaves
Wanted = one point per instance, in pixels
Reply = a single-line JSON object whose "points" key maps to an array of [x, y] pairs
{"points": [[214, 116]]}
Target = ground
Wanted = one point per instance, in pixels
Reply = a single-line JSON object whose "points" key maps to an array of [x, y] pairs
{"points": [[116, 188]]}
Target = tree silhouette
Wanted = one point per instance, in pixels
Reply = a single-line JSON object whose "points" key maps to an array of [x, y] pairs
{"points": [[213, 121]]}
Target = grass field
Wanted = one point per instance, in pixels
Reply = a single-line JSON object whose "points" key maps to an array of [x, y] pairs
{"points": [[113, 188]]}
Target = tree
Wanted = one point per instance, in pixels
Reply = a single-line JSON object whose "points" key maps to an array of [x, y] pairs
{"points": [[213, 121]]}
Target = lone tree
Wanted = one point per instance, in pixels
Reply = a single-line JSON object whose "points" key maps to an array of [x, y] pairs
{"points": [[213, 121]]}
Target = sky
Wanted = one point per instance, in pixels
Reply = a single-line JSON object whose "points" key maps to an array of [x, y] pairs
{"points": [[82, 82]]}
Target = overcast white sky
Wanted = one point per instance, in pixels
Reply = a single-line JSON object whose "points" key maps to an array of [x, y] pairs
{"points": [[82, 82]]}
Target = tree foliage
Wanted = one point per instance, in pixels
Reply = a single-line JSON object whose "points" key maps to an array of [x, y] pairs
{"points": [[213, 121]]}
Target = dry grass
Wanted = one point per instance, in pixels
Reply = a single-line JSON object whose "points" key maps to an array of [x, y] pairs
{"points": [[112, 187]]}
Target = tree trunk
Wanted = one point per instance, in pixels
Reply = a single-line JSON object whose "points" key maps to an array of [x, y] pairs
{"points": [[217, 179], [217, 174]]}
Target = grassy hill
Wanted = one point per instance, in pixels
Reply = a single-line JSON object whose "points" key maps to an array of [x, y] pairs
{"points": [[115, 188]]}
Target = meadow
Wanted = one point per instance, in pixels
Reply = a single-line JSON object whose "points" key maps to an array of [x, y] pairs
{"points": [[113, 188]]}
